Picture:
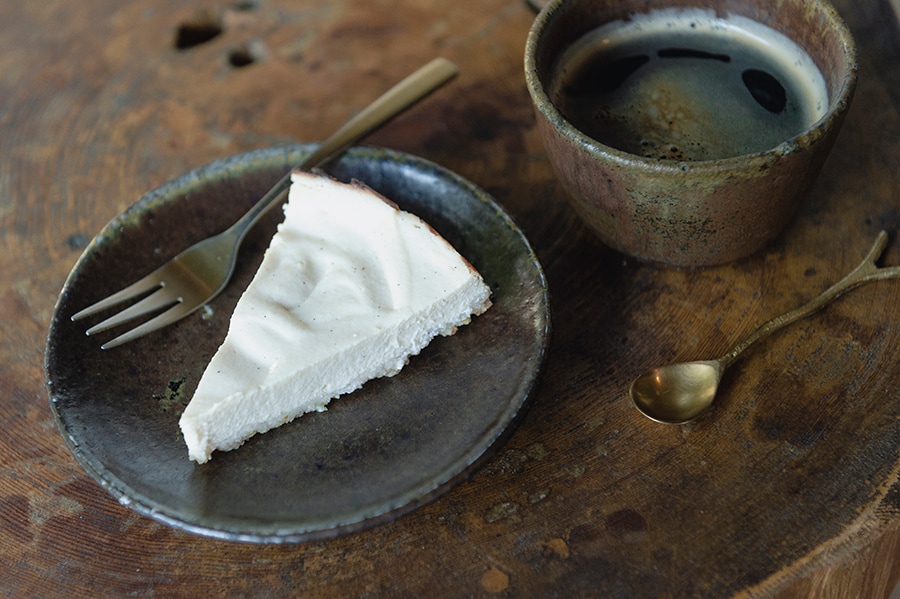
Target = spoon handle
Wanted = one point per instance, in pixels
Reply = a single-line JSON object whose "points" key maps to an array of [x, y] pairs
{"points": [[866, 272]]}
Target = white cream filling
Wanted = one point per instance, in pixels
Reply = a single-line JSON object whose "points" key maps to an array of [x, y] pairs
{"points": [[348, 290]]}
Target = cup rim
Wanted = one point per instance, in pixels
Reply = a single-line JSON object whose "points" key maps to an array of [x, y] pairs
{"points": [[837, 106]]}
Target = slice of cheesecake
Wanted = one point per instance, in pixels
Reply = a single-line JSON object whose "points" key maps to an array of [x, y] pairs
{"points": [[348, 290]]}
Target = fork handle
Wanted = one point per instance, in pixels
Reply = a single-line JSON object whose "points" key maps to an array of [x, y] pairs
{"points": [[394, 101]]}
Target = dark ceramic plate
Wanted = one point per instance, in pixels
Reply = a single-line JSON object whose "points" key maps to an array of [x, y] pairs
{"points": [[375, 454]]}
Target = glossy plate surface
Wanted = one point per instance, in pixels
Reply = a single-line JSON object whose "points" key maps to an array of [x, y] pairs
{"points": [[376, 453]]}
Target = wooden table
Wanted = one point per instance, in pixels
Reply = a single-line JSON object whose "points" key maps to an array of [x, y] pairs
{"points": [[788, 488]]}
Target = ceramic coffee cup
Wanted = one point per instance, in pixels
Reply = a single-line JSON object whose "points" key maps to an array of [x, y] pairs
{"points": [[687, 132]]}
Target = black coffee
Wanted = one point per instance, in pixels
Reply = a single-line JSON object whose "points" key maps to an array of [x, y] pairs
{"points": [[685, 85]]}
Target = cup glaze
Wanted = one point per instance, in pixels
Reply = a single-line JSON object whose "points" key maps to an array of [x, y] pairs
{"points": [[683, 213]]}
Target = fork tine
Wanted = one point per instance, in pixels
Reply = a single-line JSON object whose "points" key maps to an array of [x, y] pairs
{"points": [[137, 288], [159, 299], [176, 312]]}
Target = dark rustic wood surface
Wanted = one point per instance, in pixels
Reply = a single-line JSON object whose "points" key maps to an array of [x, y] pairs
{"points": [[788, 488]]}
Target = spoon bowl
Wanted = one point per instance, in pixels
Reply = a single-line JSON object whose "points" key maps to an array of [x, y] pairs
{"points": [[678, 393]]}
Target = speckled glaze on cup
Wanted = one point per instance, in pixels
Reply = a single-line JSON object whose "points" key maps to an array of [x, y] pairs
{"points": [[690, 213]]}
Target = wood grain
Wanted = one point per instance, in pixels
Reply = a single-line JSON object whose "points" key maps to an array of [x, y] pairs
{"points": [[788, 488]]}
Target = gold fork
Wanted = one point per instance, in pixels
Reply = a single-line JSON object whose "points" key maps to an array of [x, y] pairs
{"points": [[199, 273]]}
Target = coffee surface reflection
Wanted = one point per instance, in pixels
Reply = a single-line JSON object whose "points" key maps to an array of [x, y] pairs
{"points": [[685, 85]]}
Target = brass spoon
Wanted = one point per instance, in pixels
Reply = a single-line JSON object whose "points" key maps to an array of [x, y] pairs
{"points": [[678, 393]]}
